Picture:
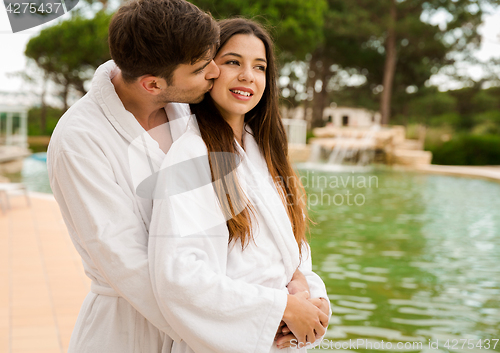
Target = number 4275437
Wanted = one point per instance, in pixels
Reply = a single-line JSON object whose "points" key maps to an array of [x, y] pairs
{"points": [[471, 344], [31, 7]]}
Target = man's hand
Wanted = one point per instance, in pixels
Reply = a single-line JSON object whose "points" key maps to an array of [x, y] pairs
{"points": [[284, 341], [298, 283]]}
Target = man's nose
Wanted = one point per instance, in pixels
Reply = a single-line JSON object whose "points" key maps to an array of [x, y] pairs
{"points": [[212, 71]]}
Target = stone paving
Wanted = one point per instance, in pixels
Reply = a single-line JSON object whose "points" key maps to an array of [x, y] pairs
{"points": [[42, 282], [486, 172]]}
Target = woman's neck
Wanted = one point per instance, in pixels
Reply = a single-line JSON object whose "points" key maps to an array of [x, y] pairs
{"points": [[237, 123]]}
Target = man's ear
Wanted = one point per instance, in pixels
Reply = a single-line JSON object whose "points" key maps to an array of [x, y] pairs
{"points": [[152, 84]]}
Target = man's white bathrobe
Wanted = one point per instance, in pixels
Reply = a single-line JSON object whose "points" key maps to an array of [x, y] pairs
{"points": [[97, 157], [91, 178], [233, 299]]}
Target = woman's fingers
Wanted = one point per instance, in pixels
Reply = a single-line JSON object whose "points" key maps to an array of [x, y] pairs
{"points": [[319, 331], [322, 304], [304, 319], [323, 318]]}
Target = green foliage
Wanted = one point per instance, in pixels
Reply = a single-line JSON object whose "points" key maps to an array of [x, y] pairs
{"points": [[468, 149], [445, 119], [297, 24], [467, 109], [488, 116], [487, 128], [485, 100], [34, 118], [309, 135], [356, 37], [433, 103], [70, 51]]}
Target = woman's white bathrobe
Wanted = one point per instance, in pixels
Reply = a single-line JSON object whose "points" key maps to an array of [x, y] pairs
{"points": [[97, 159], [219, 299]]}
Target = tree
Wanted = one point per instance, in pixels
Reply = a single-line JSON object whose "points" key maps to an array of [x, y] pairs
{"points": [[296, 24], [392, 44], [70, 51]]}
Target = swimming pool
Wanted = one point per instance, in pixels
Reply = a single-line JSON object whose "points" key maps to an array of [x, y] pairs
{"points": [[34, 174], [419, 260], [406, 257]]}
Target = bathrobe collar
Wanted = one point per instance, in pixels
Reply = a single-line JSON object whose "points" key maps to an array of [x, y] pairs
{"points": [[103, 91]]}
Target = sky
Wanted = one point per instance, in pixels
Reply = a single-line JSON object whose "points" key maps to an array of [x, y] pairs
{"points": [[12, 46]]}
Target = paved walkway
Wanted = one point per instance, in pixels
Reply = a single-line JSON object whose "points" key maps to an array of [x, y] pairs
{"points": [[487, 172], [42, 282]]}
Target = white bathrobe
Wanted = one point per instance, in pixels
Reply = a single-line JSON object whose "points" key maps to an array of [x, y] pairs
{"points": [[97, 158], [92, 180], [234, 299]]}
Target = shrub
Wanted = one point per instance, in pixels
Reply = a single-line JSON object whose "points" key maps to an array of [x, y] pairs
{"points": [[468, 149], [34, 120]]}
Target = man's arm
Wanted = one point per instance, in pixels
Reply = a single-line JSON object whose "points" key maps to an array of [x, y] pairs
{"points": [[101, 219]]}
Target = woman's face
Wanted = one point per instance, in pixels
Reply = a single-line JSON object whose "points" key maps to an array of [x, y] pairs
{"points": [[242, 80]]}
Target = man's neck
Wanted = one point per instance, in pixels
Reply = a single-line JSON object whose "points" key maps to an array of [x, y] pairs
{"points": [[146, 112]]}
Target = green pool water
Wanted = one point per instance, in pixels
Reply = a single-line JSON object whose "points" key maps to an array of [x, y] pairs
{"points": [[417, 258]]}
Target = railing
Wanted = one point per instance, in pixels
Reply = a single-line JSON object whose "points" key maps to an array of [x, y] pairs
{"points": [[296, 131]]}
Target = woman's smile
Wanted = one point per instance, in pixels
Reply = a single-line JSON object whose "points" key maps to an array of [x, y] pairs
{"points": [[242, 93]]}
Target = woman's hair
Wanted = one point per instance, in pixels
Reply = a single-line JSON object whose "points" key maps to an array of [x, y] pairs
{"points": [[269, 133]]}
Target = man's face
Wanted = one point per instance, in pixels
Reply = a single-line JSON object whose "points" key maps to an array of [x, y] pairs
{"points": [[190, 82]]}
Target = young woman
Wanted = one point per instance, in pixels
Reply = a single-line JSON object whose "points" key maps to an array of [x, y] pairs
{"points": [[227, 180]]}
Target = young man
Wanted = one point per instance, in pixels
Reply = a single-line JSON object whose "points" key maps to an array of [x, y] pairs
{"points": [[162, 52]]}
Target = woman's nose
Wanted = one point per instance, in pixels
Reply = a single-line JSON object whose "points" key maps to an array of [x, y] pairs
{"points": [[246, 75]]}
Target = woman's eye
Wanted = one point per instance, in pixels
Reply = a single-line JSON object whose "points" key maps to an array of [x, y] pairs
{"points": [[262, 68], [232, 62]]}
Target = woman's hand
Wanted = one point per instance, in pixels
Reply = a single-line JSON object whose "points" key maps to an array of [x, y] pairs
{"points": [[298, 283], [304, 319], [322, 304], [284, 338]]}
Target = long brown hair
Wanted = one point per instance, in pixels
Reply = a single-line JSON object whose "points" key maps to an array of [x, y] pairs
{"points": [[267, 128]]}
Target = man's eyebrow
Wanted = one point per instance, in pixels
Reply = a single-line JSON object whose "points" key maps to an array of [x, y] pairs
{"points": [[204, 66], [239, 56]]}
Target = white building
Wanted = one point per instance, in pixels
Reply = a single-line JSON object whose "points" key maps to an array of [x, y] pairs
{"points": [[352, 117], [337, 116], [14, 125], [14, 119]]}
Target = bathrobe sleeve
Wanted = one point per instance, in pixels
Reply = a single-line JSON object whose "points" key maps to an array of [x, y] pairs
{"points": [[100, 214], [188, 248], [317, 287]]}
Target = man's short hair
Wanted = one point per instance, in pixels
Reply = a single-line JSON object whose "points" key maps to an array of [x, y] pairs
{"points": [[152, 37]]}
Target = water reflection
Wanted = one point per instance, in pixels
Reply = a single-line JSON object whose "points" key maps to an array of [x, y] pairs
{"points": [[418, 261]]}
